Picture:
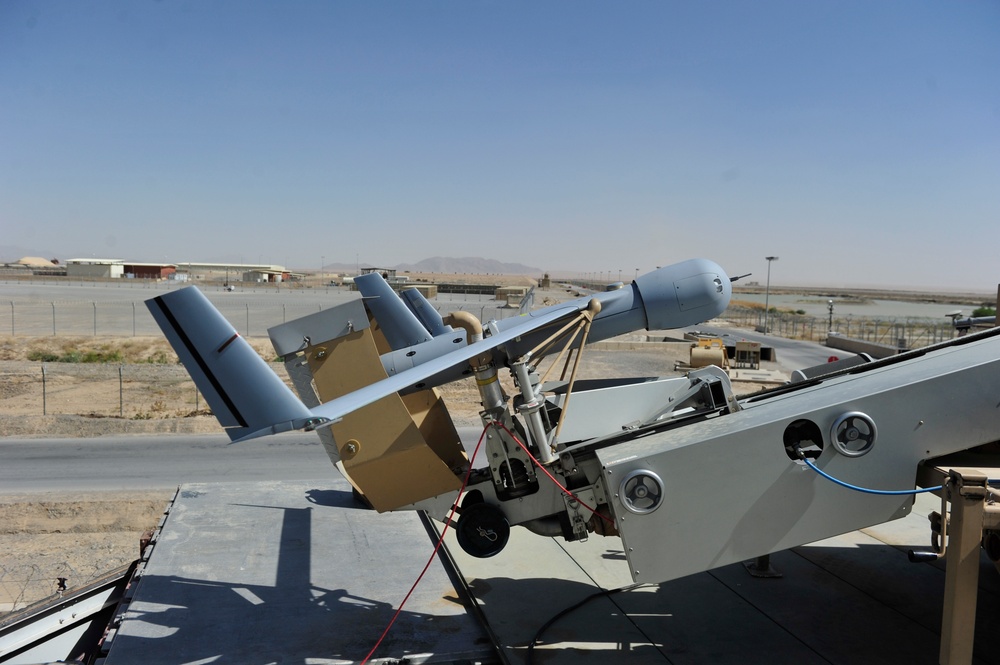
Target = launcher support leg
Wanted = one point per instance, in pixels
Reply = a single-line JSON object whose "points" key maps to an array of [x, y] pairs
{"points": [[761, 567], [961, 585]]}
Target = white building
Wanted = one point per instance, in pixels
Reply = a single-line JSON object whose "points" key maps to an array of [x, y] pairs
{"points": [[95, 268]]}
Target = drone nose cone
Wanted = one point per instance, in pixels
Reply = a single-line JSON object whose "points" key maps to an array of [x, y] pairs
{"points": [[703, 289], [684, 294]]}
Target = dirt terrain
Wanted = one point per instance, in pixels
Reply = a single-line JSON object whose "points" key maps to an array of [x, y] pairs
{"points": [[80, 537], [76, 537]]}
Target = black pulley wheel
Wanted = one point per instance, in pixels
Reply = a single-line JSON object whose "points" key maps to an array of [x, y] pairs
{"points": [[482, 530]]}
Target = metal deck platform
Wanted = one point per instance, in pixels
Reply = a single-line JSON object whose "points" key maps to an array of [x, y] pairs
{"points": [[285, 572], [851, 599]]}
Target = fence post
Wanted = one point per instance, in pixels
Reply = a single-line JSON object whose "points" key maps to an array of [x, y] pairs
{"points": [[121, 394], [95, 318], [248, 319], [11, 318], [53, 319], [45, 411], [133, 319]]}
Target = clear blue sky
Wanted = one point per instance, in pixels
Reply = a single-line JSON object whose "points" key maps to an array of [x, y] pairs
{"points": [[859, 141]]}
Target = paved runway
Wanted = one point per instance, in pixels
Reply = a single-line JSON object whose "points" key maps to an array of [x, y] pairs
{"points": [[157, 462], [164, 461]]}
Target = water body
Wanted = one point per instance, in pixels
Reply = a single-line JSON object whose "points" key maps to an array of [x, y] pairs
{"points": [[817, 306]]}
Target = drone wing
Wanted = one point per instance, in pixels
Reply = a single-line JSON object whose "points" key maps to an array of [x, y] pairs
{"points": [[250, 400]]}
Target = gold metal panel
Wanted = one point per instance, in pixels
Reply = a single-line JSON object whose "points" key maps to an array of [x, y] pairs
{"points": [[384, 450]]}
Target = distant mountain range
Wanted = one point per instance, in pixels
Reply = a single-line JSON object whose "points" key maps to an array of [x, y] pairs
{"points": [[469, 264], [443, 264], [437, 264]]}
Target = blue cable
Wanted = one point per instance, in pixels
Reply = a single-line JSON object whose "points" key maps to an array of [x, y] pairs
{"points": [[865, 489]]}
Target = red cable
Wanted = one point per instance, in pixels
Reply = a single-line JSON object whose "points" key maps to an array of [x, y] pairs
{"points": [[454, 507], [551, 477], [440, 541]]}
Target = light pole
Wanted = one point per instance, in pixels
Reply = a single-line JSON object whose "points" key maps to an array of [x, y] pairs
{"points": [[829, 306], [767, 289]]}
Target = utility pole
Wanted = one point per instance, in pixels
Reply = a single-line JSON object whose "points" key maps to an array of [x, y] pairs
{"points": [[767, 290]]}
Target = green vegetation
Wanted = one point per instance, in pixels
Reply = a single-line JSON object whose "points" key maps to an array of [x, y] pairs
{"points": [[104, 350], [160, 358], [984, 311], [74, 356]]}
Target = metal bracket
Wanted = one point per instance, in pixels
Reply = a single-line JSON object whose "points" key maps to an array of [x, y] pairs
{"points": [[958, 622], [578, 515]]}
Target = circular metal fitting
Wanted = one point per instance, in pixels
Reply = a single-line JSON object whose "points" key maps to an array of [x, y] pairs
{"points": [[853, 434], [350, 449], [641, 492], [482, 530], [991, 543]]}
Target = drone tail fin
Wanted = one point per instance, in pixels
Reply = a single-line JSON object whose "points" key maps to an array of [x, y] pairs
{"points": [[246, 396]]}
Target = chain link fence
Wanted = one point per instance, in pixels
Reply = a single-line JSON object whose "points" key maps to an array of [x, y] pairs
{"points": [[59, 543], [154, 391], [141, 391], [251, 318], [907, 333], [24, 584], [137, 392]]}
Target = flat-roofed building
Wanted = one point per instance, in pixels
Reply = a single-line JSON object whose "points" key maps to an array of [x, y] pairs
{"points": [[150, 270], [234, 272], [95, 268]]}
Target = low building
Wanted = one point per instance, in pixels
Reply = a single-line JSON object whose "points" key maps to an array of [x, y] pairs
{"points": [[265, 275], [95, 268], [150, 270], [236, 272]]}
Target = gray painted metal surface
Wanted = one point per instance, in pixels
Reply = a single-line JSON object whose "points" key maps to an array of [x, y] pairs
{"points": [[603, 408], [246, 396], [399, 324], [852, 345], [64, 628], [728, 491], [846, 600], [289, 572], [330, 323]]}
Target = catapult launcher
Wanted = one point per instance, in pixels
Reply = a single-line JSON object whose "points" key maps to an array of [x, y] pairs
{"points": [[687, 475]]}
